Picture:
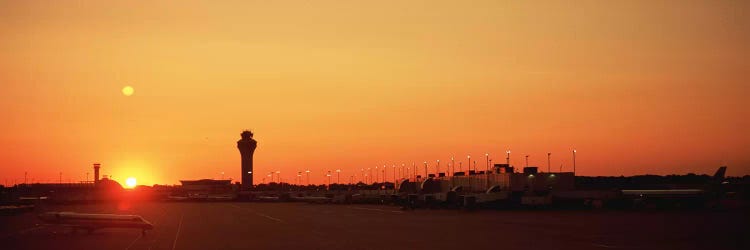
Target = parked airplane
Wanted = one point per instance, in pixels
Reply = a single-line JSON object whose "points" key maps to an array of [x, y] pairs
{"points": [[710, 192], [268, 198], [91, 222]]}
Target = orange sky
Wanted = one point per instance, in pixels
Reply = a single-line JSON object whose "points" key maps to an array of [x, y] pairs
{"points": [[635, 86]]}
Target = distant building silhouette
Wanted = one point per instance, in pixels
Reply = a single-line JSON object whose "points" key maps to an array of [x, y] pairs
{"points": [[247, 146], [96, 172]]}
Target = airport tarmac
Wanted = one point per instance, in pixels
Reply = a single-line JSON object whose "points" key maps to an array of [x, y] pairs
{"points": [[234, 225]]}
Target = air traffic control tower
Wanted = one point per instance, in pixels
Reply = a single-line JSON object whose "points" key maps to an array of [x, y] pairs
{"points": [[247, 146]]}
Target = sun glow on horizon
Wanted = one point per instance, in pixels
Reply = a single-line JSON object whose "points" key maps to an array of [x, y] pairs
{"points": [[130, 182]]}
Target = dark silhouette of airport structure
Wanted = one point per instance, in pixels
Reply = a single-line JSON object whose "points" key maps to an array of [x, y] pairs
{"points": [[247, 146]]}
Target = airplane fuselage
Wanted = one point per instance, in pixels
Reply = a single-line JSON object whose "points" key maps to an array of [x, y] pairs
{"points": [[93, 222]]}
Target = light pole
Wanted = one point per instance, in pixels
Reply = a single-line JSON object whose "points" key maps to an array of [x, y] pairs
{"points": [[425, 170], [402, 170], [437, 169], [278, 176], [453, 164], [574, 162], [461, 166], [507, 158], [469, 157], [299, 178], [487, 159], [414, 166], [487, 172], [308, 176], [222, 175], [329, 179], [383, 173], [527, 161], [338, 176]]}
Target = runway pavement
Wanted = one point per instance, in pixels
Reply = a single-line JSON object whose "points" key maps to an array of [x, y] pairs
{"points": [[234, 225]]}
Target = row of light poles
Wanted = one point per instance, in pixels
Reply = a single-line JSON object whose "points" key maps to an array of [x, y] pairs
{"points": [[488, 164], [407, 171]]}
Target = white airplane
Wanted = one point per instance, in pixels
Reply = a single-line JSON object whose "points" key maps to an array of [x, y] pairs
{"points": [[708, 195], [91, 222], [268, 198], [177, 198]]}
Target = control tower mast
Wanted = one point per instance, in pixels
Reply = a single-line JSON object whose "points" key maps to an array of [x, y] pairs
{"points": [[247, 146]]}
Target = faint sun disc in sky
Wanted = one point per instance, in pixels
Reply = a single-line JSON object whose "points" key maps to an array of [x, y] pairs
{"points": [[128, 90]]}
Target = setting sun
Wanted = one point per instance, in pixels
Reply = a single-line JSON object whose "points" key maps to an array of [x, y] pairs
{"points": [[128, 91], [130, 182]]}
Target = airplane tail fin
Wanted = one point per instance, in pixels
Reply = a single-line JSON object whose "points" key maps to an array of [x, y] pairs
{"points": [[714, 186], [719, 175]]}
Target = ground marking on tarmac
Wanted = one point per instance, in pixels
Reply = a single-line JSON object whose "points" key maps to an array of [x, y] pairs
{"points": [[133, 243], [179, 226], [261, 214], [269, 217], [604, 246], [158, 232]]}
